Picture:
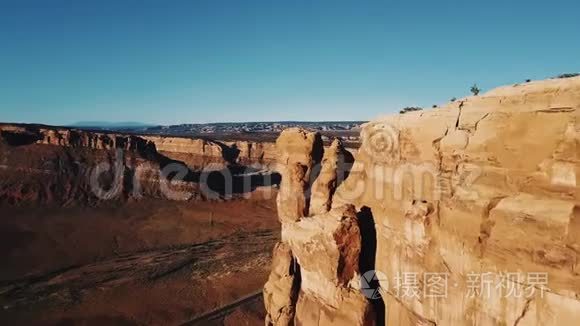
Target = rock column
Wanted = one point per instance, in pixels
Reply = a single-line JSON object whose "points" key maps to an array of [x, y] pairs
{"points": [[315, 272]]}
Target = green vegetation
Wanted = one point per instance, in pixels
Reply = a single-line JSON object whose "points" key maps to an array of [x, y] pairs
{"points": [[568, 75], [410, 109]]}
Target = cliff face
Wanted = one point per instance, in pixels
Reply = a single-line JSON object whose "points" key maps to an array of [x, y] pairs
{"points": [[66, 166], [467, 214], [17, 135], [63, 167], [198, 153]]}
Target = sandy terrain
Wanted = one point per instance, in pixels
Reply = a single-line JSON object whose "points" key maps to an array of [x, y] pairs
{"points": [[143, 263]]}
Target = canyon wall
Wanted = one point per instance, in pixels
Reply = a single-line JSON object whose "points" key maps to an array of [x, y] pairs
{"points": [[198, 153], [17, 135], [68, 166], [462, 215]]}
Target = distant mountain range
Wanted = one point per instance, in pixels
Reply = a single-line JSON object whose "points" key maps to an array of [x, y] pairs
{"points": [[235, 127], [263, 131], [111, 125]]}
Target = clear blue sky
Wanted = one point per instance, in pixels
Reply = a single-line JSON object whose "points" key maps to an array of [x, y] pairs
{"points": [[189, 61]]}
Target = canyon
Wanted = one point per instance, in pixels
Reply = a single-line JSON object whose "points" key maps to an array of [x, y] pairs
{"points": [[90, 221], [71, 165], [464, 214]]}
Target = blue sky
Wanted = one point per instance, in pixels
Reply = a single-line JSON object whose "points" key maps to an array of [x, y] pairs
{"points": [[193, 61]]}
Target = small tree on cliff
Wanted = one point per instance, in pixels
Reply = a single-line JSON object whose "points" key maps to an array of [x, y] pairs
{"points": [[475, 90], [568, 75], [410, 109]]}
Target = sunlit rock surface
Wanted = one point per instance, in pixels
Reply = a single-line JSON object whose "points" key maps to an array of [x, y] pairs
{"points": [[469, 212]]}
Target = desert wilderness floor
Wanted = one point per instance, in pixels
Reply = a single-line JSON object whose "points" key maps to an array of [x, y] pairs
{"points": [[151, 262]]}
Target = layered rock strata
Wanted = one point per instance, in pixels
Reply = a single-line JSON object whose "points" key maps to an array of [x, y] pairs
{"points": [[83, 168], [474, 209], [68, 166], [198, 153], [325, 245]]}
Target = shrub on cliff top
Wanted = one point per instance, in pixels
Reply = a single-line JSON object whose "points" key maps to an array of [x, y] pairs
{"points": [[410, 109], [568, 75]]}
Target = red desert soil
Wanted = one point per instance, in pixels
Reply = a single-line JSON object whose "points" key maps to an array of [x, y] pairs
{"points": [[143, 263]]}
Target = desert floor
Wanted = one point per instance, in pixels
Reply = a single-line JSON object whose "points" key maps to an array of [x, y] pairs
{"points": [[141, 263]]}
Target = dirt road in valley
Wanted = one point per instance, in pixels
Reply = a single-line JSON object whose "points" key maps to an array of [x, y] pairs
{"points": [[239, 252], [164, 284]]}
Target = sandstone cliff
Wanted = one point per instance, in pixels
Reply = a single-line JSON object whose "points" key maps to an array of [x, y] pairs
{"points": [[198, 153], [468, 214], [59, 165], [201, 151], [67, 166]]}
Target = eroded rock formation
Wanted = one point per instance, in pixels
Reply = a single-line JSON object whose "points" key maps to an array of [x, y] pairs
{"points": [[281, 290], [299, 153], [334, 168], [43, 164], [474, 209], [326, 247]]}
